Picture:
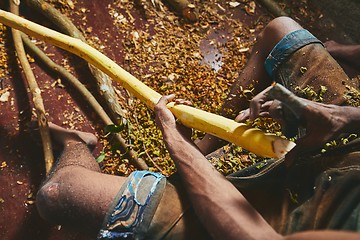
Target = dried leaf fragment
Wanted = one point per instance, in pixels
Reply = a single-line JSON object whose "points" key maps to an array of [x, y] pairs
{"points": [[242, 50], [234, 4], [4, 96], [250, 8], [3, 165], [70, 4]]}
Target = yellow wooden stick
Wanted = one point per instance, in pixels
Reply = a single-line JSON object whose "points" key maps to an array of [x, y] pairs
{"points": [[252, 139]]}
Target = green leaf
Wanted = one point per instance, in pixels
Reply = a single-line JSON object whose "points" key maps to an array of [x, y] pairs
{"points": [[101, 157], [156, 153]]}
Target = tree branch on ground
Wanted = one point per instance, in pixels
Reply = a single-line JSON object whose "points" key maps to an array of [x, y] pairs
{"points": [[138, 163], [35, 92], [273, 8], [103, 81]]}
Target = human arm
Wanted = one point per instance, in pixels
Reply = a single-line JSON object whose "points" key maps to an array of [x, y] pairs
{"points": [[222, 209], [323, 122]]}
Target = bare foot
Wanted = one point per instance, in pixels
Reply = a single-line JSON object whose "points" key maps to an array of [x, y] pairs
{"points": [[334, 48], [348, 53], [64, 136]]}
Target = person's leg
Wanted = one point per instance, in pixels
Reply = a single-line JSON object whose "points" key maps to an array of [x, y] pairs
{"points": [[254, 73], [302, 65], [75, 192], [312, 73]]}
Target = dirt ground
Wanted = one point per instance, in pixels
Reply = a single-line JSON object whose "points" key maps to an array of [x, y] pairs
{"points": [[345, 15], [21, 157]]}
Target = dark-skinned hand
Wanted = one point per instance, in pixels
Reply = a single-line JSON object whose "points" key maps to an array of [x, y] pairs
{"points": [[322, 122], [166, 120]]}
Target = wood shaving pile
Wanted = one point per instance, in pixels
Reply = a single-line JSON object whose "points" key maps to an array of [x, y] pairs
{"points": [[197, 62]]}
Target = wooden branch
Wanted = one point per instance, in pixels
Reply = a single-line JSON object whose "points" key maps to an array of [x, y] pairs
{"points": [[254, 140], [36, 93], [138, 163], [103, 81], [273, 8], [185, 9]]}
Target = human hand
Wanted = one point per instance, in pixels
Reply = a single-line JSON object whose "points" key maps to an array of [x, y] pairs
{"points": [[164, 118], [263, 106], [322, 122]]}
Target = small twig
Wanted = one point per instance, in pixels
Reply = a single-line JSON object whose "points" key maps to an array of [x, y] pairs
{"points": [[155, 164], [87, 95], [35, 91]]}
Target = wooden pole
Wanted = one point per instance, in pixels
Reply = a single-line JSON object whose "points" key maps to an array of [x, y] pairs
{"points": [[254, 140]]}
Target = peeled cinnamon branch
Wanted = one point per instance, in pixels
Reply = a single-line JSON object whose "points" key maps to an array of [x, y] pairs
{"points": [[251, 139]]}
